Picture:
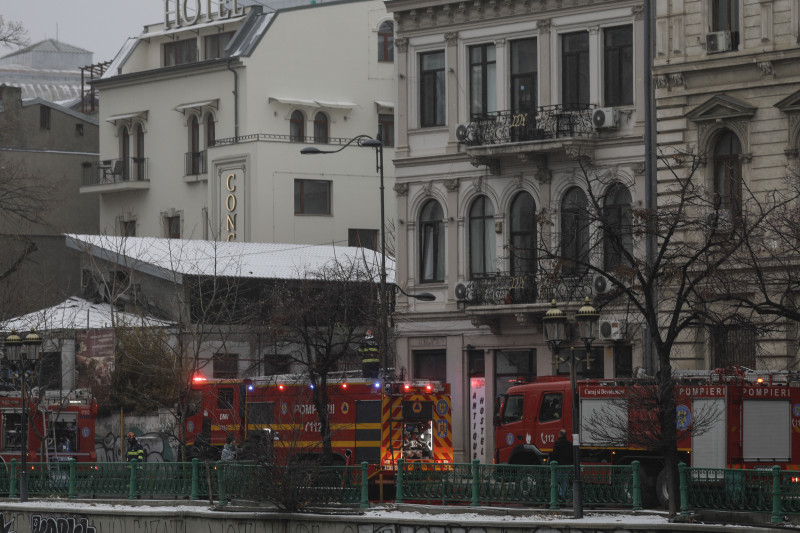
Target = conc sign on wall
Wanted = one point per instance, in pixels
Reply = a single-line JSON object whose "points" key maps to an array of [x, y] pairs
{"points": [[189, 12], [231, 194]]}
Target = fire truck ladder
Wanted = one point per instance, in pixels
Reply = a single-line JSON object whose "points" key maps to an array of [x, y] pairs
{"points": [[396, 424]]}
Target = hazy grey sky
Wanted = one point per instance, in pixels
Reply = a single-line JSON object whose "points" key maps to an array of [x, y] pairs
{"points": [[100, 26]]}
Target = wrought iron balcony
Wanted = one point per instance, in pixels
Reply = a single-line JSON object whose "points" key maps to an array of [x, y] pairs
{"points": [[504, 288], [112, 171], [545, 123]]}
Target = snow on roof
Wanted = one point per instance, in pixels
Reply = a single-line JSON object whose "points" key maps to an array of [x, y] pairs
{"points": [[77, 313], [172, 258]]}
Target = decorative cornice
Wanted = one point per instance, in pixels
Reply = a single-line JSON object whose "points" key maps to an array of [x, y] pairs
{"points": [[638, 12], [401, 189], [451, 37], [767, 69], [544, 25], [401, 44]]}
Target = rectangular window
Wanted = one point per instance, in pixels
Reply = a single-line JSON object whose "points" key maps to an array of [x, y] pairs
{"points": [[312, 197], [523, 75], [12, 430], [226, 365], [511, 367], [725, 17], [733, 346], [172, 227], [430, 364], [386, 129], [50, 371], [215, 44], [575, 70], [225, 398], [594, 368], [44, 117], [180, 52], [127, 228], [363, 238], [482, 79], [623, 361], [618, 66], [432, 89]]}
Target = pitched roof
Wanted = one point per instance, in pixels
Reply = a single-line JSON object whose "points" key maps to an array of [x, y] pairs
{"points": [[173, 258], [77, 313], [49, 45]]}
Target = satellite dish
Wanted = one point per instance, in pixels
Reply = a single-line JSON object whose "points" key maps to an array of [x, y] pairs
{"points": [[599, 118]]}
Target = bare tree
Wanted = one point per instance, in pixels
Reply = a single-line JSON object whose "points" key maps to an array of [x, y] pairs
{"points": [[12, 33], [686, 285]]}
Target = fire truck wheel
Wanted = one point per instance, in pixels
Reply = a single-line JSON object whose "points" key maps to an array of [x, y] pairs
{"points": [[662, 492]]}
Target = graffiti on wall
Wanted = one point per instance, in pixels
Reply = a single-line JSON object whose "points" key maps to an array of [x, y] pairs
{"points": [[156, 449], [60, 524]]}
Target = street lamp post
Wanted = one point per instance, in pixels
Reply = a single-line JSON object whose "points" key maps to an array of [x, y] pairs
{"points": [[554, 323], [369, 142], [18, 360]]}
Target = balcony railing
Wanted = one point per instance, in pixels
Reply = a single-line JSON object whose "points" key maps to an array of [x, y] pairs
{"points": [[545, 123], [271, 137], [504, 288], [195, 163], [114, 171]]}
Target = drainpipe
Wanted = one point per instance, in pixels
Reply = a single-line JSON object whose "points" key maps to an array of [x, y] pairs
{"points": [[649, 177], [235, 102]]}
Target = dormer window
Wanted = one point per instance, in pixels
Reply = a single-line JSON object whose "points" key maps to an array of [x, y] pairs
{"points": [[180, 52]]}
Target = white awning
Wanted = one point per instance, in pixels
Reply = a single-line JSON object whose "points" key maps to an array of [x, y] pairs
{"points": [[313, 103], [384, 106], [198, 105], [127, 116], [193, 27]]}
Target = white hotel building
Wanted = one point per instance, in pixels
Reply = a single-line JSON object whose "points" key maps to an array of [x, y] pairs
{"points": [[204, 115]]}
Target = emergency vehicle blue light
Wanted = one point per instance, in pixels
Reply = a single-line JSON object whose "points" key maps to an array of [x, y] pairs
{"points": [[312, 385], [377, 385]]}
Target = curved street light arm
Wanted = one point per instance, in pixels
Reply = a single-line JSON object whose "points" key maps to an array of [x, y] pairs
{"points": [[422, 296], [360, 140]]}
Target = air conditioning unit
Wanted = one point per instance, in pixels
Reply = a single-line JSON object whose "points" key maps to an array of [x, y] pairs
{"points": [[604, 118], [611, 329], [718, 41], [462, 132], [463, 292], [600, 284]]}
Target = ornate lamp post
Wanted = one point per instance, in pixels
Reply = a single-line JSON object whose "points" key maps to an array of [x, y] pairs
{"points": [[554, 323], [19, 354]]}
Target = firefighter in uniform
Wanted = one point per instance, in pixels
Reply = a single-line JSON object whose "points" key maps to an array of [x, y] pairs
{"points": [[135, 450], [370, 362]]}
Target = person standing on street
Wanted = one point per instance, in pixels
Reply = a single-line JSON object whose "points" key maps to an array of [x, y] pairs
{"points": [[135, 449], [564, 455]]}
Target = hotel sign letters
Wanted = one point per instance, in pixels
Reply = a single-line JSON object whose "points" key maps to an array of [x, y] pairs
{"points": [[189, 12], [231, 188]]}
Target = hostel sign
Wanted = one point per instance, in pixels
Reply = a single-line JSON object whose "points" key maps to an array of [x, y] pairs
{"points": [[180, 13]]}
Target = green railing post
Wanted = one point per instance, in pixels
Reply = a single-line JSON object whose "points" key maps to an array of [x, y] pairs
{"points": [[364, 485], [637, 486], [195, 495], [776, 496], [132, 484], [223, 493], [72, 473], [554, 485], [398, 496], [12, 481], [476, 477], [684, 489]]}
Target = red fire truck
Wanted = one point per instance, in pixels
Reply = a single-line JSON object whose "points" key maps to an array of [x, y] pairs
{"points": [[377, 422], [60, 426], [750, 420]]}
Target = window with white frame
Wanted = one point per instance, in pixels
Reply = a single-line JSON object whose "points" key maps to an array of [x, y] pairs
{"points": [[728, 172], [432, 89], [523, 235], [431, 224], [482, 79], [321, 128], [482, 244], [618, 65], [575, 70], [617, 226], [215, 44], [724, 17], [386, 42], [180, 52], [297, 126], [312, 197], [386, 129], [172, 226], [574, 232], [524, 74]]}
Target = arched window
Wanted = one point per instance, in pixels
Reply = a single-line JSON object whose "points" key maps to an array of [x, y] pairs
{"points": [[211, 131], [297, 127], [431, 224], [193, 157], [120, 170], [617, 226], [321, 128], [728, 172], [482, 247], [386, 42], [523, 235], [139, 160], [574, 232]]}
